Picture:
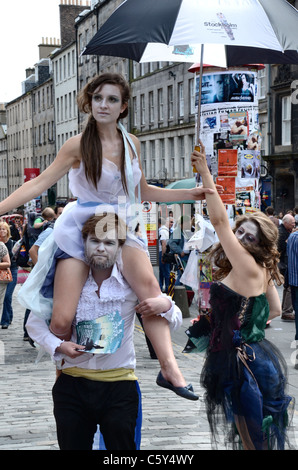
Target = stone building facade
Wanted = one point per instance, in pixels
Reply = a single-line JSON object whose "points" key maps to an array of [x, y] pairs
{"points": [[282, 156], [31, 126], [162, 109]]}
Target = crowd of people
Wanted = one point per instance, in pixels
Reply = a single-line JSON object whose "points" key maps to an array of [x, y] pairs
{"points": [[92, 252], [15, 231]]}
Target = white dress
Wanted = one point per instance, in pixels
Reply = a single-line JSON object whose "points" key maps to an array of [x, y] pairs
{"points": [[109, 196]]}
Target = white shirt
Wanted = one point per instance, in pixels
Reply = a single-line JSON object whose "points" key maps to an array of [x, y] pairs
{"points": [[163, 233], [114, 294]]}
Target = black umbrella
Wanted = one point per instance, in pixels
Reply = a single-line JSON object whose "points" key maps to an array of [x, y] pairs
{"points": [[233, 32], [217, 32]]}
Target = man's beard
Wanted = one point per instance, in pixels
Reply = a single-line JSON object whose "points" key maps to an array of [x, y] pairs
{"points": [[94, 263]]}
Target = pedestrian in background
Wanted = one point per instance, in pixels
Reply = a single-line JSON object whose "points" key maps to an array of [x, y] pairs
{"points": [[270, 212], [4, 264], [163, 238], [284, 230], [7, 311], [292, 251], [177, 243]]}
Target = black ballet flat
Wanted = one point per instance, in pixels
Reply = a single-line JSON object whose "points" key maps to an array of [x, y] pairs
{"points": [[184, 392]]}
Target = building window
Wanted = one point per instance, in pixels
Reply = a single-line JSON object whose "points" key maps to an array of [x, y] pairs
{"points": [[60, 69], [170, 102], [70, 105], [135, 69], [61, 108], [180, 99], [160, 104], [286, 120], [263, 130], [68, 65], [262, 83], [73, 62], [181, 155], [143, 158], [58, 110], [135, 112], [172, 168], [172, 157], [151, 107], [192, 99], [152, 158], [142, 110]]}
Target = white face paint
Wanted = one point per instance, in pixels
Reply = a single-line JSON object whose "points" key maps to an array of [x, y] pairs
{"points": [[107, 104], [101, 253], [248, 233]]}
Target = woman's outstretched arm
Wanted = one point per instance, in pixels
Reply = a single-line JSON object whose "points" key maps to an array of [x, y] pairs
{"points": [[67, 156]]}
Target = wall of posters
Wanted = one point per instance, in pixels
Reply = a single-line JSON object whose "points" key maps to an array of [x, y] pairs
{"points": [[230, 132]]}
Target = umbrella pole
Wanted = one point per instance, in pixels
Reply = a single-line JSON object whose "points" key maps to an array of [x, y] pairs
{"points": [[200, 96], [198, 129]]}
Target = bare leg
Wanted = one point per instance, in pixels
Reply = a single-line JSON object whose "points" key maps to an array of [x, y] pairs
{"points": [[70, 277], [138, 272]]}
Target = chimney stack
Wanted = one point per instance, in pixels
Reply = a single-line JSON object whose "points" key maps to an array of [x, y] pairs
{"points": [[69, 10]]}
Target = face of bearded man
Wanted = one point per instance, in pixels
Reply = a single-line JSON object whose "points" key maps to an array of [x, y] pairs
{"points": [[101, 253]]}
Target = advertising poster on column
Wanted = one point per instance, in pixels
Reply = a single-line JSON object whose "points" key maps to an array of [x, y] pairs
{"points": [[229, 87], [230, 132], [149, 214]]}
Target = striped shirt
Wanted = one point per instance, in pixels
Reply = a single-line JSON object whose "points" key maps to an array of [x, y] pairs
{"points": [[292, 251]]}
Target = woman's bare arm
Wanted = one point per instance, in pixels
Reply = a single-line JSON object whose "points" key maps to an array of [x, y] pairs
{"points": [[273, 300], [67, 156]]}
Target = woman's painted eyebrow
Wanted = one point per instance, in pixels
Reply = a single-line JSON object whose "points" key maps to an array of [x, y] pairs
{"points": [[109, 96]]}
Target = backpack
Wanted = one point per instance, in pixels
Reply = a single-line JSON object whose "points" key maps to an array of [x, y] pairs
{"points": [[33, 233], [20, 251], [168, 257]]}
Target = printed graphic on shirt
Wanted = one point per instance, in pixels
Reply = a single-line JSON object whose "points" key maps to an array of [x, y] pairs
{"points": [[102, 335]]}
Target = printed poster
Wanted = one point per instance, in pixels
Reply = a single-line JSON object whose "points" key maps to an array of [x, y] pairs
{"points": [[250, 163], [102, 335], [228, 87], [239, 126], [229, 189], [246, 193], [227, 162]]}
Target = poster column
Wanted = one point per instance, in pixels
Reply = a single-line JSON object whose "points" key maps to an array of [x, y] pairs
{"points": [[229, 130], [230, 133], [149, 213]]}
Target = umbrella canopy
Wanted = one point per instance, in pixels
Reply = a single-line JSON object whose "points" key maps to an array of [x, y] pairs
{"points": [[234, 32], [186, 183]]}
